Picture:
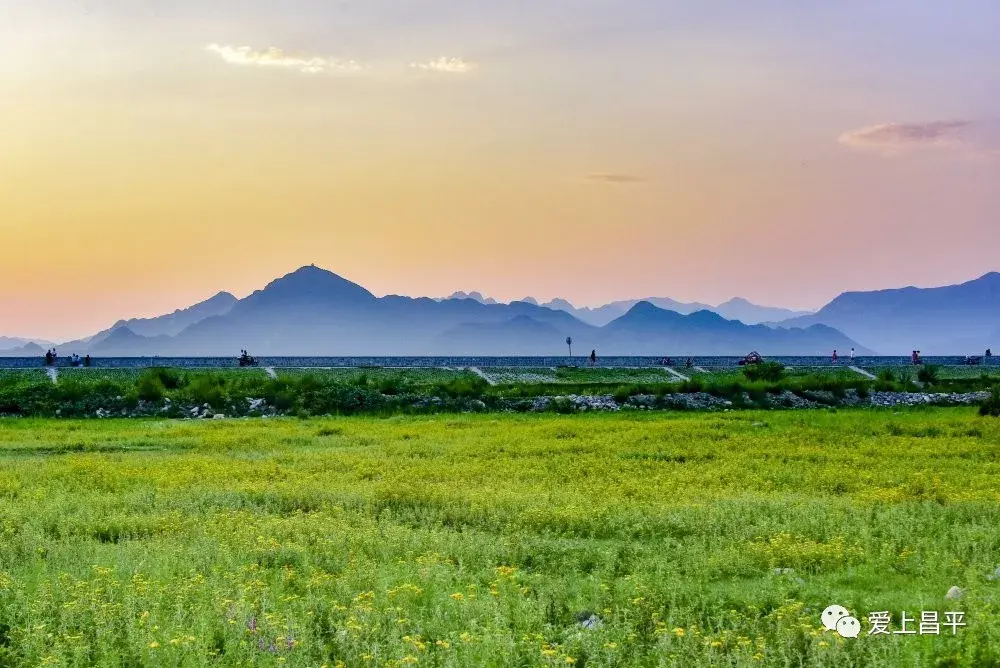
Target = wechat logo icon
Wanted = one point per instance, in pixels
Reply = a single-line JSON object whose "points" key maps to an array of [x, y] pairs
{"points": [[837, 618]]}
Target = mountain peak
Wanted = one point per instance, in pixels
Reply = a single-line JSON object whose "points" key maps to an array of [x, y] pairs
{"points": [[989, 277], [310, 284], [645, 308], [475, 296], [644, 313], [560, 304], [221, 297]]}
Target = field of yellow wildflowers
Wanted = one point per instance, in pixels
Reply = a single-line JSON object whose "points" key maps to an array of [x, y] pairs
{"points": [[497, 540]]}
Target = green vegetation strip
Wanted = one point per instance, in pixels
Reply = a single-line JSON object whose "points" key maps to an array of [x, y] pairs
{"points": [[485, 540], [310, 392]]}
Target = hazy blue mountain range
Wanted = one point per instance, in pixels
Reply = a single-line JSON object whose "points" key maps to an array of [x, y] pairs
{"points": [[315, 312], [745, 311], [736, 308], [170, 324], [31, 349], [312, 311], [472, 295], [951, 320], [648, 330], [7, 342]]}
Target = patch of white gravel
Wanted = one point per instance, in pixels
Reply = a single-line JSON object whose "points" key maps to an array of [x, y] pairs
{"points": [[479, 372]]}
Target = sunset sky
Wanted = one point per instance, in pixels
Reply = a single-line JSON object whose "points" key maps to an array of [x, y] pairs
{"points": [[154, 152]]}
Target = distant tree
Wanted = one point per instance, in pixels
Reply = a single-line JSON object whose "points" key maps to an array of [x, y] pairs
{"points": [[569, 342]]}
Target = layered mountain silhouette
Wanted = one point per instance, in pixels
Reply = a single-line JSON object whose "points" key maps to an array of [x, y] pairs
{"points": [[315, 312], [31, 349], [312, 311], [951, 320], [473, 295], [746, 311], [7, 342], [648, 330], [736, 308], [167, 325]]}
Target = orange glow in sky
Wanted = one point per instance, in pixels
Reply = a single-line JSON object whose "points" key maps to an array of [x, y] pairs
{"points": [[586, 150]]}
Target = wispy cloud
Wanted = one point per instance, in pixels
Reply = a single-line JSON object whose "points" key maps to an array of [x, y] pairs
{"points": [[275, 57], [615, 178], [446, 65], [894, 138]]}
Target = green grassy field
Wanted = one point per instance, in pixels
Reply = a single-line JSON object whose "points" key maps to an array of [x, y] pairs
{"points": [[416, 376], [175, 393], [577, 376], [482, 540]]}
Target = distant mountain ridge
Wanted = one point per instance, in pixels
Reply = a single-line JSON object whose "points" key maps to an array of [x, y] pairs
{"points": [[312, 311], [647, 329], [174, 323], [170, 324], [949, 320], [18, 341], [736, 308]]}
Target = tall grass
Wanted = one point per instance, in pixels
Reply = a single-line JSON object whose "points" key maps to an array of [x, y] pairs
{"points": [[696, 539]]}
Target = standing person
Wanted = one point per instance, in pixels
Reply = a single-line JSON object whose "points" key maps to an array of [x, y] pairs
{"points": [[48, 357], [593, 357], [852, 355], [834, 356], [86, 360]]}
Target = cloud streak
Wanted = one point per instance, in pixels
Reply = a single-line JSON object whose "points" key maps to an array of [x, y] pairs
{"points": [[890, 139], [615, 178], [445, 65], [278, 58]]}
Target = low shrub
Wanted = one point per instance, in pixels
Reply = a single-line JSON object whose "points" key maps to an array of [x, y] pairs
{"points": [[622, 394], [928, 374], [150, 388], [170, 379], [991, 407], [693, 385], [207, 389], [770, 372], [462, 388]]}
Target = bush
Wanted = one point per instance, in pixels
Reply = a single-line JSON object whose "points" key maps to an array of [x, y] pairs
{"points": [[207, 390], [622, 393], [150, 388], [391, 385], [928, 374], [462, 388], [169, 378], [279, 393], [991, 407], [770, 372], [563, 405], [695, 384]]}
